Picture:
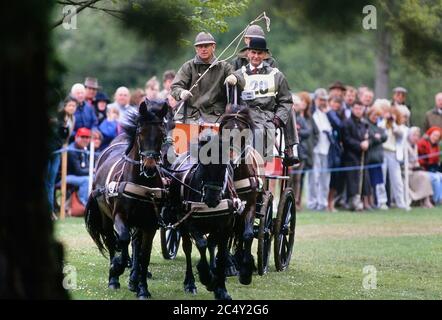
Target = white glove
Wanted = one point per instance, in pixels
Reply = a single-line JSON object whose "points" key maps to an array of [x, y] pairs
{"points": [[232, 80], [185, 94]]}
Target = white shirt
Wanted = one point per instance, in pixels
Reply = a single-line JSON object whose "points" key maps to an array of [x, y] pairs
{"points": [[258, 67]]}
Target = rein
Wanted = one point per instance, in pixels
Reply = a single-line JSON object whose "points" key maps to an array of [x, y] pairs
{"points": [[169, 173]]}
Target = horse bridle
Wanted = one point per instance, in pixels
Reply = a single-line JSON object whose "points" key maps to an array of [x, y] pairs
{"points": [[155, 155], [215, 187], [235, 117]]}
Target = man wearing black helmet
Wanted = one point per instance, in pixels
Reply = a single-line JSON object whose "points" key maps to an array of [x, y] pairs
{"points": [[254, 31], [266, 91]]}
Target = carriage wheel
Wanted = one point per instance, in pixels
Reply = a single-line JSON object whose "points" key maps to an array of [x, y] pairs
{"points": [[284, 229], [265, 233], [170, 242]]}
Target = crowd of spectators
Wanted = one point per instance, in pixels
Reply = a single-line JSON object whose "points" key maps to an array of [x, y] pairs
{"points": [[353, 149], [88, 114], [364, 154]]}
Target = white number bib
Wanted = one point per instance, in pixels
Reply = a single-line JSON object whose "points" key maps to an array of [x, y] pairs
{"points": [[262, 85]]}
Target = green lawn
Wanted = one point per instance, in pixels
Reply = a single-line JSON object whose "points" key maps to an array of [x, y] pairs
{"points": [[331, 251]]}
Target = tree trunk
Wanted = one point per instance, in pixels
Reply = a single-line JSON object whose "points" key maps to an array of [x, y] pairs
{"points": [[30, 258], [383, 58]]}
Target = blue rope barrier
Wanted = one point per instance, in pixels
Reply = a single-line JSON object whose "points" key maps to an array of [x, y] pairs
{"points": [[354, 168]]}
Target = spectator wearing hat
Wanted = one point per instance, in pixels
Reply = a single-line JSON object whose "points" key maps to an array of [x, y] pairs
{"points": [[84, 115], [168, 77], [78, 163], [121, 101], [254, 31], [319, 179], [91, 85], [270, 104], [207, 101], [400, 97], [337, 89], [152, 89], [433, 118], [100, 106]]}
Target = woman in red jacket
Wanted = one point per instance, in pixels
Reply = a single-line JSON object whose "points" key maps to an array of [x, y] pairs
{"points": [[428, 147]]}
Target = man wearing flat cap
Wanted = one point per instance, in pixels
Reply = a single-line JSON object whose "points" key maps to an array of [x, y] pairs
{"points": [[254, 31], [400, 97], [207, 100], [91, 85], [266, 91]]}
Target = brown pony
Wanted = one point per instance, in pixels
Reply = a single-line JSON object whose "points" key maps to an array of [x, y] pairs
{"points": [[128, 193]]}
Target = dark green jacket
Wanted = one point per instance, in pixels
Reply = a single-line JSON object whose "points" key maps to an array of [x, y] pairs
{"points": [[209, 96]]}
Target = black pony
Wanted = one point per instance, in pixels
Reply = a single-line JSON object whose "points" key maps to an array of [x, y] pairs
{"points": [[201, 194], [128, 193], [237, 126]]}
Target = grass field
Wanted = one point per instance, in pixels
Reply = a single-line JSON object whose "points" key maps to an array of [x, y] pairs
{"points": [[331, 251]]}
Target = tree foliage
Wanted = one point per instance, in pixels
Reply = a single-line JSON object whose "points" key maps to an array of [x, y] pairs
{"points": [[310, 57]]}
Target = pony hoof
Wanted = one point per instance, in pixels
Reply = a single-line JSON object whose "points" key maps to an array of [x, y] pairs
{"points": [[245, 279], [221, 294], [114, 286], [144, 295], [190, 289], [132, 286]]}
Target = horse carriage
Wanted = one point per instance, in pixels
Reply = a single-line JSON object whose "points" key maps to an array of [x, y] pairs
{"points": [[268, 227], [134, 190]]}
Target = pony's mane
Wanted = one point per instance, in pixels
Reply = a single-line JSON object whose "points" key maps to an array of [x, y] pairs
{"points": [[235, 109], [130, 121], [133, 118]]}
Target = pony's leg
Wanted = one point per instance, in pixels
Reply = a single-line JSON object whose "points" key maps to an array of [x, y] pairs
{"points": [[189, 280], [220, 290], [146, 250], [135, 270], [246, 268], [119, 262], [211, 245], [205, 275]]}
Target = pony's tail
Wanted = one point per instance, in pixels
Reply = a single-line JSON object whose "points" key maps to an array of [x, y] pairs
{"points": [[94, 223]]}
